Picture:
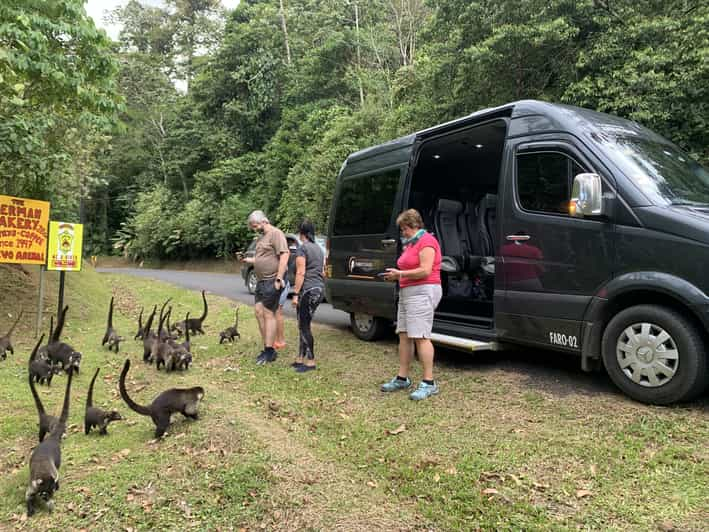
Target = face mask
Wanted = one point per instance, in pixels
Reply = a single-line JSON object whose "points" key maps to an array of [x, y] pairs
{"points": [[414, 238]]}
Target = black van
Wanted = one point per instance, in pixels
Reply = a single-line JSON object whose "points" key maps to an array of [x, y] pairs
{"points": [[560, 227]]}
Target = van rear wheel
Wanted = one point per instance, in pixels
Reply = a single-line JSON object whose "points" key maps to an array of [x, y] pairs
{"points": [[367, 327], [655, 355]]}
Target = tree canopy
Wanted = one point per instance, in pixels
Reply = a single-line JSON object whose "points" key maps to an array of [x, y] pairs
{"points": [[225, 112]]}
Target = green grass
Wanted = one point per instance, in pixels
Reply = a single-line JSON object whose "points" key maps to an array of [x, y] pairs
{"points": [[498, 449]]}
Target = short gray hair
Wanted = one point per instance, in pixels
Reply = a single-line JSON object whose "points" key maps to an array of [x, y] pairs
{"points": [[257, 217]]}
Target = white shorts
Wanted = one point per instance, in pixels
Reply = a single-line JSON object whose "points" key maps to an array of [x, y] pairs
{"points": [[416, 307]]}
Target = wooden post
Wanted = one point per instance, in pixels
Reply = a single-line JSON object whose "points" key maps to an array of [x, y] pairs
{"points": [[62, 275], [40, 302]]}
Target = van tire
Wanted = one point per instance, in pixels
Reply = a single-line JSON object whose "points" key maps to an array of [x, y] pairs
{"points": [[251, 281], [690, 367], [367, 327]]}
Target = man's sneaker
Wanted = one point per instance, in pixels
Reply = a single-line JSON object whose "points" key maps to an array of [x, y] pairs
{"points": [[424, 390], [261, 359], [272, 356], [396, 384]]}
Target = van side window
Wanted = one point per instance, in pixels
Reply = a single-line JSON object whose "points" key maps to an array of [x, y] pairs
{"points": [[365, 204], [544, 181]]}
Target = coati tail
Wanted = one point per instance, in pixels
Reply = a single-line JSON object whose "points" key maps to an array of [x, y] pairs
{"points": [[90, 396], [204, 314], [37, 400], [56, 334], [110, 314], [9, 333], [124, 393], [65, 407]]}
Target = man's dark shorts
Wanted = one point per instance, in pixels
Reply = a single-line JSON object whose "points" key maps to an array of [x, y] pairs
{"points": [[267, 295]]}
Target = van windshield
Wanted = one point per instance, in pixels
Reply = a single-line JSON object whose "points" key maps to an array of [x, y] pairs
{"points": [[660, 169]]}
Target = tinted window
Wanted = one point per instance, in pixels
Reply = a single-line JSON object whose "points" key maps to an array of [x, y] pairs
{"points": [[544, 181], [365, 204]]}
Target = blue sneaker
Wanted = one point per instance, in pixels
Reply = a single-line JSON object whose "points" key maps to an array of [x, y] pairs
{"points": [[396, 384], [424, 390]]}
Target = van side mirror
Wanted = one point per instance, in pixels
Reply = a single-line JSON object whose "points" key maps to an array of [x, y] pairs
{"points": [[586, 196]]}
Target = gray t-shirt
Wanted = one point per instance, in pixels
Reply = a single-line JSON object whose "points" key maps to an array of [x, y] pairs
{"points": [[314, 263]]}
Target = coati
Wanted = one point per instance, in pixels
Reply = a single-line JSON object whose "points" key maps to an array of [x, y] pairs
{"points": [[40, 370], [42, 354], [111, 336], [139, 334], [162, 353], [46, 421], [231, 332], [6, 341], [194, 324], [61, 354], [149, 336], [182, 353], [182, 400], [46, 459], [96, 417]]}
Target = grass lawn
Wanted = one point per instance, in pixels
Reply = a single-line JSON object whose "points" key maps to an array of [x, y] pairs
{"points": [[509, 444]]}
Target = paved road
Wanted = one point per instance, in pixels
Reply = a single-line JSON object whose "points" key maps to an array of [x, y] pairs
{"points": [[227, 285]]}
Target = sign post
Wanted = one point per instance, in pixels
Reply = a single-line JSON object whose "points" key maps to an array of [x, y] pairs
{"points": [[64, 253]]}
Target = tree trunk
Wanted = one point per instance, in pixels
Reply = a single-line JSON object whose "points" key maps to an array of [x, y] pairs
{"points": [[284, 26], [359, 57]]}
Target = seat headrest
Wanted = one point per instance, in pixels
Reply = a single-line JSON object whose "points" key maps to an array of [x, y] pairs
{"points": [[451, 206], [490, 201]]}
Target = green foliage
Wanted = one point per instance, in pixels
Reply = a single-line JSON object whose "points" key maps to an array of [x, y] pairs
{"points": [[57, 97], [275, 95]]}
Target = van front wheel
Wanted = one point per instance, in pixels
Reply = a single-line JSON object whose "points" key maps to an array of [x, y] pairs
{"points": [[655, 355], [367, 327]]}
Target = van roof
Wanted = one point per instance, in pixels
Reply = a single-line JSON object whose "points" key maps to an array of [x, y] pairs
{"points": [[558, 117]]}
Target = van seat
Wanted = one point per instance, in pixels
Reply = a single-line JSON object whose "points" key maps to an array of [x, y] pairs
{"points": [[451, 235], [480, 218]]}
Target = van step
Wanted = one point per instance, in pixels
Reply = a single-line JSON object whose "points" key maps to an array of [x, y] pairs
{"points": [[465, 344]]}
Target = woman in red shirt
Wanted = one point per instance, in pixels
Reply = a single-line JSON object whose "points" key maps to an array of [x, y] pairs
{"points": [[419, 274]]}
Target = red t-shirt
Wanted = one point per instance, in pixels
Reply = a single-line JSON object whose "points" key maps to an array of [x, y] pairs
{"points": [[409, 260]]}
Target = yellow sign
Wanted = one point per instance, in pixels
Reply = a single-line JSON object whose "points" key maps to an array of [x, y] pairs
{"points": [[65, 241], [23, 230]]}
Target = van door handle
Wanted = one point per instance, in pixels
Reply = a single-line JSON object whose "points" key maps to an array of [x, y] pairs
{"points": [[388, 241], [518, 238]]}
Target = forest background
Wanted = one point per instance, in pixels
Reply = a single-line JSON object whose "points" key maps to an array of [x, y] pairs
{"points": [[164, 140]]}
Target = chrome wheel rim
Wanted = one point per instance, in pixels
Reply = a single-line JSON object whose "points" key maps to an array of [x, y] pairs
{"points": [[252, 281], [363, 322], [647, 355]]}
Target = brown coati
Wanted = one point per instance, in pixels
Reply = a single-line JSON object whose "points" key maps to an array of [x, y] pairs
{"points": [[149, 336], [111, 336], [61, 354], [194, 324], [40, 370], [46, 459], [231, 332], [6, 341], [139, 334], [162, 353], [46, 421], [96, 417], [182, 352], [182, 400]]}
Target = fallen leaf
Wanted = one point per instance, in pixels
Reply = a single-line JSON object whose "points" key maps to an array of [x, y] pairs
{"points": [[580, 494], [372, 484], [515, 479], [490, 491], [124, 452], [436, 477], [397, 430], [540, 487], [452, 471]]}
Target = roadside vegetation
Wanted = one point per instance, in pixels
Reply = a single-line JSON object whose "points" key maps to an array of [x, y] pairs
{"points": [[519, 440]]}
